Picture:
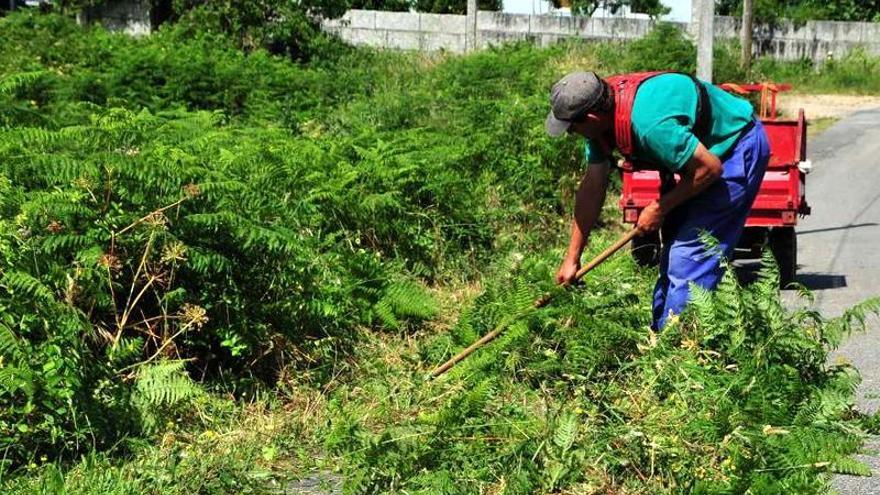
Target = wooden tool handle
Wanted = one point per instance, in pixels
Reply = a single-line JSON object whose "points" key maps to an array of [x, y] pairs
{"points": [[540, 302], [604, 255]]}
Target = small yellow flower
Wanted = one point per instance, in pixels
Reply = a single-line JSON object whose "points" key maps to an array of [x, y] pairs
{"points": [[193, 315], [156, 219], [174, 252], [771, 430], [192, 190], [110, 262]]}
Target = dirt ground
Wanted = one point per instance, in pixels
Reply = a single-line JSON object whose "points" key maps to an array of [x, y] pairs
{"points": [[825, 106]]}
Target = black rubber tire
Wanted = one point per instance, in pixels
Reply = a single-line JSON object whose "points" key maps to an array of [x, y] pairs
{"points": [[646, 249], [783, 245]]}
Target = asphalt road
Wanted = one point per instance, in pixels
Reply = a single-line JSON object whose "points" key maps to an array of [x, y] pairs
{"points": [[839, 253]]}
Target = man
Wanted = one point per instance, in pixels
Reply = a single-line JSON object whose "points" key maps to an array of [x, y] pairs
{"points": [[676, 124]]}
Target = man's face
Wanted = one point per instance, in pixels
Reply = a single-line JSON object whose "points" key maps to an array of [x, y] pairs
{"points": [[580, 129], [591, 127]]}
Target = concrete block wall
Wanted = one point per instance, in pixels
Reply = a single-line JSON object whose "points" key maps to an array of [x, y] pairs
{"points": [[815, 40], [402, 30], [416, 31]]}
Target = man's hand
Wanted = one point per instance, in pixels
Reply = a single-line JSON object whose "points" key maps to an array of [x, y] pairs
{"points": [[567, 271], [651, 218], [703, 169]]}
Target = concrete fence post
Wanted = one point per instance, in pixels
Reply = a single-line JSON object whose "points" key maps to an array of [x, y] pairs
{"points": [[746, 35], [471, 26], [703, 22]]}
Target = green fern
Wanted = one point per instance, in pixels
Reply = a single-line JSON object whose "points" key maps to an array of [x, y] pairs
{"points": [[850, 466], [10, 345], [28, 285], [164, 383], [405, 300], [12, 82], [159, 389], [852, 319], [566, 432]]}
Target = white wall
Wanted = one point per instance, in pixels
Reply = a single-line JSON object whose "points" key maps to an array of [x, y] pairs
{"points": [[814, 40]]}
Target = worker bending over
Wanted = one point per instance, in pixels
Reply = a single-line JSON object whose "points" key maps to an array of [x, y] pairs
{"points": [[673, 123]]}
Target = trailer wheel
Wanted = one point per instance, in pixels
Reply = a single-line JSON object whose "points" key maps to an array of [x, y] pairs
{"points": [[646, 249], [783, 245]]}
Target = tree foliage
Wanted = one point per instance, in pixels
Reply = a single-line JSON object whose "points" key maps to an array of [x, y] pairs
{"points": [[654, 8], [453, 6], [804, 10]]}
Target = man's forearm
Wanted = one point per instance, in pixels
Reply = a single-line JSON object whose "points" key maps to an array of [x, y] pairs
{"points": [[697, 176], [587, 207], [687, 187]]}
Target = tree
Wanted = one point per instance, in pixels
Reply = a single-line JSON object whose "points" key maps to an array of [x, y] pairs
{"points": [[653, 8], [389, 5], [288, 27], [803, 10], [454, 6]]}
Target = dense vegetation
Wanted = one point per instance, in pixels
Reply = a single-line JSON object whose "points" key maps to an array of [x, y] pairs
{"points": [[221, 267], [803, 10]]}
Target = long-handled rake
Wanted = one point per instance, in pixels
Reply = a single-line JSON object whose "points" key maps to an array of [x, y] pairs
{"points": [[539, 303]]}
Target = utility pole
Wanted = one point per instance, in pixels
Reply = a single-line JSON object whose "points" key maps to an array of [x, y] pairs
{"points": [[471, 26], [703, 15], [745, 36]]}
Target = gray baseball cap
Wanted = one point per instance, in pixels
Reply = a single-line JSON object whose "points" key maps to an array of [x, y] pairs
{"points": [[571, 98]]}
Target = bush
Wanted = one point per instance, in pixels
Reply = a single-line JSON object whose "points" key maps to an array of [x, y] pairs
{"points": [[666, 47], [735, 397], [173, 68], [136, 234], [856, 72]]}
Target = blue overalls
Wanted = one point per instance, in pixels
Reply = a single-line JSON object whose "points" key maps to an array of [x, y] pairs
{"points": [[721, 211]]}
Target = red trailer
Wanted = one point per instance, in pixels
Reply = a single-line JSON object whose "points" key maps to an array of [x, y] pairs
{"points": [[780, 201]]}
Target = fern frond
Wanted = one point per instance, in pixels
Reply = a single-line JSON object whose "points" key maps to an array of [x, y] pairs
{"points": [[703, 306], [10, 344], [767, 283], [386, 314], [12, 82], [15, 378], [164, 383], [566, 431], [853, 319], [16, 281], [405, 300], [850, 466]]}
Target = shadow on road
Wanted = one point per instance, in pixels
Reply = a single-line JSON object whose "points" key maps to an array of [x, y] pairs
{"points": [[747, 273], [842, 227], [820, 281]]}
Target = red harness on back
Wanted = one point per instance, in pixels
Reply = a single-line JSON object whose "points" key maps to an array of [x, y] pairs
{"points": [[624, 87]]}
